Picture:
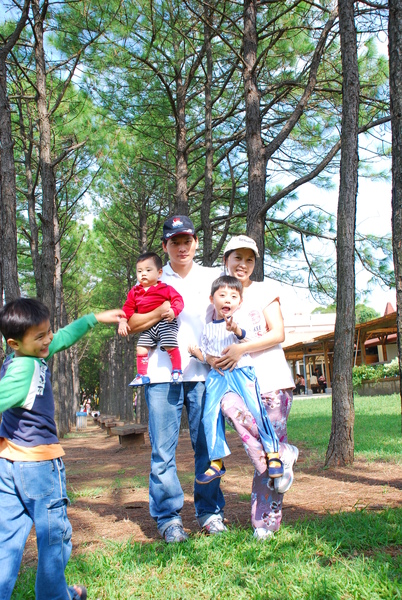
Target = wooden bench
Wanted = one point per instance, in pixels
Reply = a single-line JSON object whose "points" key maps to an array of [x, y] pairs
{"points": [[130, 435], [104, 418], [111, 423]]}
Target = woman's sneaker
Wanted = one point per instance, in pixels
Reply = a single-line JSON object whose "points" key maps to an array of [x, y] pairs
{"points": [[289, 458], [262, 534]]}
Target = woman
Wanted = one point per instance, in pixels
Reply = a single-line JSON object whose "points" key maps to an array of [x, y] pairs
{"points": [[261, 305]]}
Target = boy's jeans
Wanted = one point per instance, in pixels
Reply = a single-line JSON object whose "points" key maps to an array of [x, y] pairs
{"points": [[165, 403], [35, 492]]}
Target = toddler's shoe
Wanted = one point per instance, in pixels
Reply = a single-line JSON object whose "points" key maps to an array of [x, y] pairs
{"points": [[210, 474], [177, 376], [139, 380], [289, 458], [275, 467]]}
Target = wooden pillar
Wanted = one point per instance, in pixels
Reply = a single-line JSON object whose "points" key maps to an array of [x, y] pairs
{"points": [[326, 361], [383, 340], [362, 348]]}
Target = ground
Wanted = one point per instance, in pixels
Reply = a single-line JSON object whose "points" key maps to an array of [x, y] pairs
{"points": [[108, 486]]}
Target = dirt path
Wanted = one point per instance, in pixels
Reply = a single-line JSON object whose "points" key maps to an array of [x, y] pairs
{"points": [[109, 488]]}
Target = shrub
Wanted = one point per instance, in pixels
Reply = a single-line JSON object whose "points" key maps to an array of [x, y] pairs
{"points": [[374, 372]]}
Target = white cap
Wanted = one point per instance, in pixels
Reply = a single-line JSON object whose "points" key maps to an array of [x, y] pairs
{"points": [[241, 241]]}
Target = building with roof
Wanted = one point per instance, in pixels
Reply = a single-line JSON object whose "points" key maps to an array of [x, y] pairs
{"points": [[310, 352]]}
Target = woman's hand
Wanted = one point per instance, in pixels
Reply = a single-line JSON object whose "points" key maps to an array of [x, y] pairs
{"points": [[212, 360], [230, 357]]}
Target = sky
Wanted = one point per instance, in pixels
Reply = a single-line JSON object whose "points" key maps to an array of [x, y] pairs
{"points": [[373, 216]]}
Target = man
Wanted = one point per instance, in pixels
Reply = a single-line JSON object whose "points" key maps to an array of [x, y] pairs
{"points": [[165, 400]]}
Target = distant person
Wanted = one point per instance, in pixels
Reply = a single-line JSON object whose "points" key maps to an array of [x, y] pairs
{"points": [[300, 384], [32, 474], [322, 383], [314, 383], [147, 295]]}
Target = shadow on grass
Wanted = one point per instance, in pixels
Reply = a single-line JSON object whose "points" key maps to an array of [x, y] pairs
{"points": [[342, 556]]}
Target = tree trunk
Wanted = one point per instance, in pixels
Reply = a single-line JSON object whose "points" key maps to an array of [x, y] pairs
{"points": [[46, 292], [7, 176], [61, 368], [341, 444], [115, 396], [209, 153], [255, 146], [395, 84], [33, 235], [181, 201], [143, 227]]}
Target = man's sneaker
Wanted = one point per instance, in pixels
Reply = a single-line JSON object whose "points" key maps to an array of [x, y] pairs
{"points": [[175, 533], [262, 534], [139, 380], [289, 458], [177, 376], [214, 525]]}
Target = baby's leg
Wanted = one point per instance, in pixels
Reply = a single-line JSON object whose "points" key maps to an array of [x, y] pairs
{"points": [[168, 340], [175, 358], [142, 360]]}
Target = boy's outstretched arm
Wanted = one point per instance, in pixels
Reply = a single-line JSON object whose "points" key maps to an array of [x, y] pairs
{"points": [[110, 316], [70, 334]]}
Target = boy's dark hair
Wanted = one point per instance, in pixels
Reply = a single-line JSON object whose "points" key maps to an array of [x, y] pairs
{"points": [[18, 315], [157, 260], [227, 281]]}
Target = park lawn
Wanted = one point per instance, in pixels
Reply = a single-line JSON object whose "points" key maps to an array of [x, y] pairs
{"points": [[377, 430], [349, 555]]}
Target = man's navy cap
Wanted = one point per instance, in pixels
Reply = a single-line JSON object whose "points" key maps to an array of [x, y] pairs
{"points": [[177, 225]]}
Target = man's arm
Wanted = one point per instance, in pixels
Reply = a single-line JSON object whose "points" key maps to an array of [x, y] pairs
{"points": [[139, 322]]}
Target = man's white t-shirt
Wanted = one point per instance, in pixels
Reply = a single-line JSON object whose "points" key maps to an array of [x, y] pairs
{"points": [[195, 289]]}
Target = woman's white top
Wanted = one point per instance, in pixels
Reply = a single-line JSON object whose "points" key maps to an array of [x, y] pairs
{"points": [[272, 370]]}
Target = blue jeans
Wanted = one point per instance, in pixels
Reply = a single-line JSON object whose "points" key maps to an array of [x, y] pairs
{"points": [[165, 404], [35, 493]]}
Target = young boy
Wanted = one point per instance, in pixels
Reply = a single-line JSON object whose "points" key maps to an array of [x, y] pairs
{"points": [[226, 297], [144, 297], [32, 476]]}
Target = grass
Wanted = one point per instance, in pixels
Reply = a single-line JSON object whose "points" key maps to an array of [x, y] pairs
{"points": [[355, 555], [344, 556], [377, 431]]}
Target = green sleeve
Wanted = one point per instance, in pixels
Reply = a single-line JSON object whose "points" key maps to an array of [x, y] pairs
{"points": [[16, 383], [66, 337]]}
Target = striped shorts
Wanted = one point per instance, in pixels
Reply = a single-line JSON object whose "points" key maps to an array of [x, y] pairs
{"points": [[163, 332]]}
